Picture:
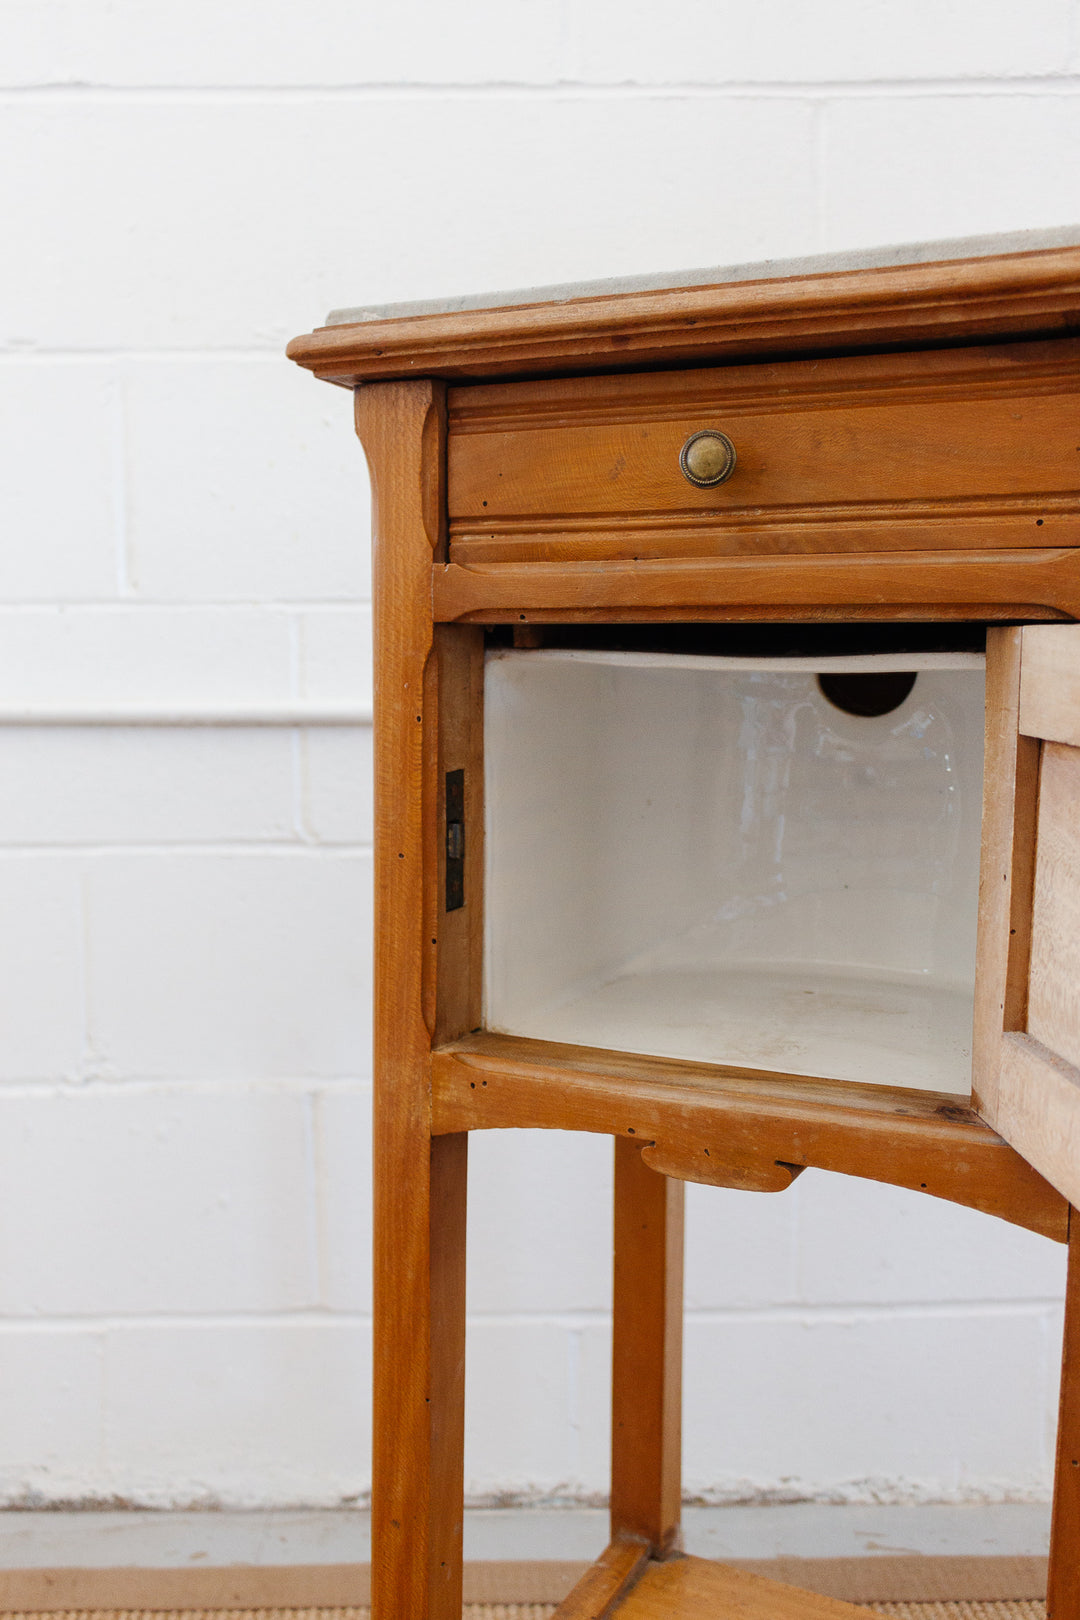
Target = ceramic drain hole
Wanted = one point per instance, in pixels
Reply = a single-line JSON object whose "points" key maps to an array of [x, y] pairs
{"points": [[870, 695]]}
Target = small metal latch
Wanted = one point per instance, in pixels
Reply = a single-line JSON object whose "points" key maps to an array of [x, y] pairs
{"points": [[455, 840]]}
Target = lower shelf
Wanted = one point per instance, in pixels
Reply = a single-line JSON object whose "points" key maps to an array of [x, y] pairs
{"points": [[684, 1588]]}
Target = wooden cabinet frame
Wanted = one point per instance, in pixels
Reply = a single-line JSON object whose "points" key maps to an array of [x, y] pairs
{"points": [[439, 1075]]}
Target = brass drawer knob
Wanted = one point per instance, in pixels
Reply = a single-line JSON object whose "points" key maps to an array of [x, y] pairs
{"points": [[707, 458]]}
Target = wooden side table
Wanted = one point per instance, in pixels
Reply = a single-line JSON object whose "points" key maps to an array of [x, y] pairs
{"points": [[906, 446]]}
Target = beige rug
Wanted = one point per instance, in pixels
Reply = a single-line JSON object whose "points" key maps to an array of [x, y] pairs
{"points": [[343, 1590], [1007, 1610]]}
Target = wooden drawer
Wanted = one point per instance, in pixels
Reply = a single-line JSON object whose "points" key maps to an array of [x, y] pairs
{"points": [[938, 450]]}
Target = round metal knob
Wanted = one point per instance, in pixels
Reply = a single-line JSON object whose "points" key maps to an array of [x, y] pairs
{"points": [[707, 458]]}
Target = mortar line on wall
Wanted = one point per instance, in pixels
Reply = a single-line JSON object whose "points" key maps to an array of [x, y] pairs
{"points": [[188, 718], [1064, 82], [830, 1315], [333, 849], [113, 1085], [195, 1321], [89, 607], [842, 1313], [250, 849], [219, 850], [180, 605], [23, 353]]}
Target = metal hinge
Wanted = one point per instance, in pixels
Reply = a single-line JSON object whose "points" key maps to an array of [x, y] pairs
{"points": [[455, 840]]}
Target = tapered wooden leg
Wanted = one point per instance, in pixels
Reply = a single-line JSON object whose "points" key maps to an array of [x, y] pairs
{"points": [[423, 985], [1063, 1590], [646, 1417], [419, 1384]]}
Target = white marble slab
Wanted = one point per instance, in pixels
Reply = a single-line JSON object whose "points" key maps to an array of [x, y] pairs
{"points": [[820, 264]]}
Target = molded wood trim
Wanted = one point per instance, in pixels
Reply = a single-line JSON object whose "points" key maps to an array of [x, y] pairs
{"points": [[787, 532], [731, 1128], [993, 584], [952, 300], [1001, 371]]}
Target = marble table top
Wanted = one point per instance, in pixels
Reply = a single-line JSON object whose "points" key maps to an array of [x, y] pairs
{"points": [[962, 247]]}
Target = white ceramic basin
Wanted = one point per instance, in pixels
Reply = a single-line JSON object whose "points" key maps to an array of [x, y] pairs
{"points": [[705, 858]]}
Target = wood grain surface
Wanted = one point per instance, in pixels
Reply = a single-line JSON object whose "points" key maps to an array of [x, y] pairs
{"points": [[1029, 1088], [967, 448], [599, 1591], [1006, 867], [936, 483], [419, 1272], [912, 305], [1049, 688], [313, 1587], [647, 1338], [726, 1127], [899, 585], [771, 387], [1053, 1015], [1038, 1110], [697, 1589]]}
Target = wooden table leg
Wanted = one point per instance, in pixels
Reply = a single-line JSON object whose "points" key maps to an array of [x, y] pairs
{"points": [[1063, 1590], [420, 1182], [646, 1416], [419, 1384]]}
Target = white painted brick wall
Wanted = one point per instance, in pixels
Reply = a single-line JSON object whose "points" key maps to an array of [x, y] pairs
{"points": [[185, 910]]}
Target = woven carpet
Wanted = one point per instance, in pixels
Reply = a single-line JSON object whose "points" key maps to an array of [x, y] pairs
{"points": [[344, 1589], [911, 1588], [1018, 1609]]}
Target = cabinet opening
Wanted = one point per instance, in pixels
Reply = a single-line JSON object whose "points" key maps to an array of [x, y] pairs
{"points": [[702, 855]]}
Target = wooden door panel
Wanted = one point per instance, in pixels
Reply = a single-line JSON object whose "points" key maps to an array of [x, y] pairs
{"points": [[1054, 981], [1038, 1110], [1026, 1080], [1049, 704]]}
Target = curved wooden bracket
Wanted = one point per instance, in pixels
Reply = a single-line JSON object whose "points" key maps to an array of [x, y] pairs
{"points": [[713, 1168], [761, 1128]]}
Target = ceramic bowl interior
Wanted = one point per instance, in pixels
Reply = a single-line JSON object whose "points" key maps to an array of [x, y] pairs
{"points": [[731, 860]]}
